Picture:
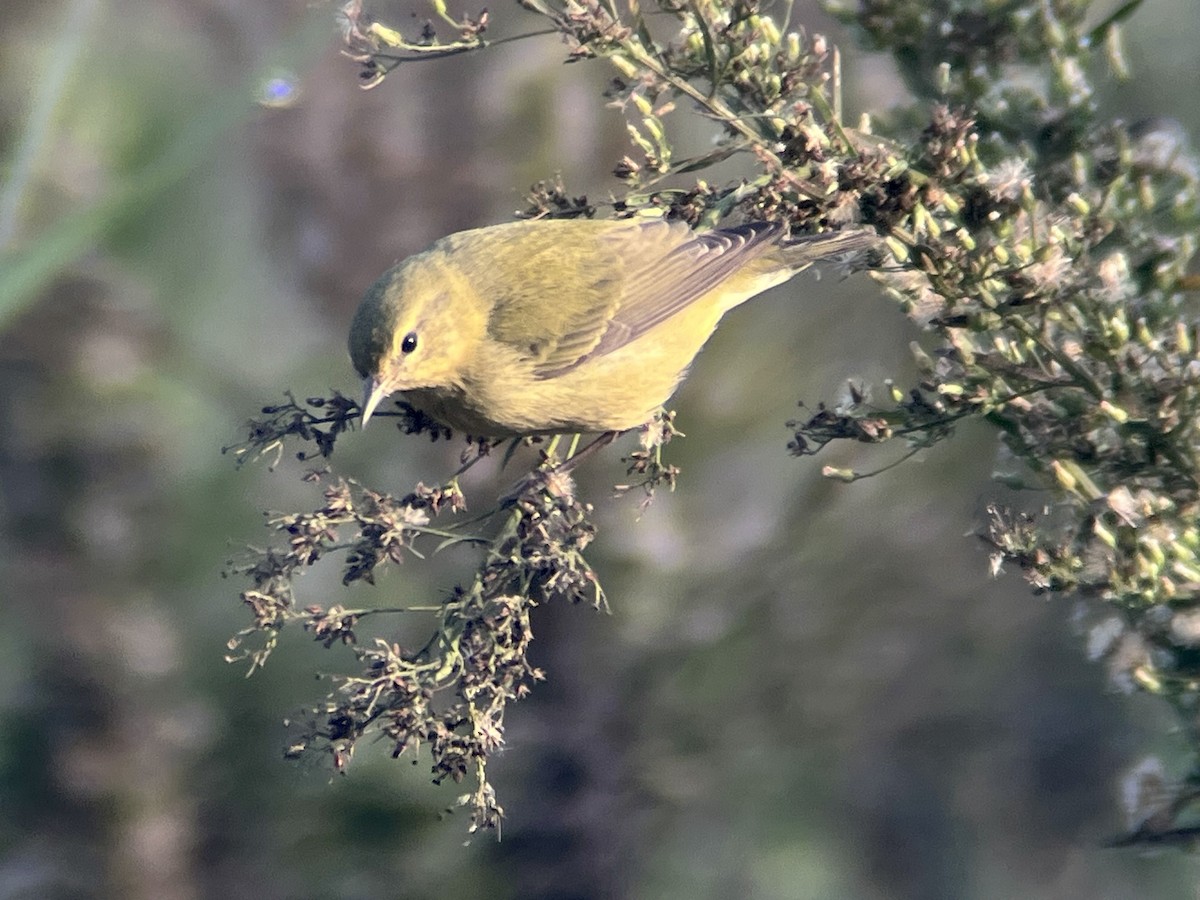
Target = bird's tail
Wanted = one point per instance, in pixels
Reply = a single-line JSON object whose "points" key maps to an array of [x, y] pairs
{"points": [[800, 252]]}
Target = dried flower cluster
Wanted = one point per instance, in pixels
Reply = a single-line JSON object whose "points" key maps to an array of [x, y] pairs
{"points": [[449, 695], [1049, 254]]}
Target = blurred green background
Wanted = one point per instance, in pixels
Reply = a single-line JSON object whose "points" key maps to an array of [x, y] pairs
{"points": [[804, 690]]}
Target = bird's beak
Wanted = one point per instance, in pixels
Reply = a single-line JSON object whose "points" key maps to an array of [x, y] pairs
{"points": [[374, 391]]}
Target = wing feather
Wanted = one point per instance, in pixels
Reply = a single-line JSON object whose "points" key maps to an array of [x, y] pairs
{"points": [[659, 272]]}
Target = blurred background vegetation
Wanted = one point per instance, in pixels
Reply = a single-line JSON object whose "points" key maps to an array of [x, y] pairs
{"points": [[805, 689]]}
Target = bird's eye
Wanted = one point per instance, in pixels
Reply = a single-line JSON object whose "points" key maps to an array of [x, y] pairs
{"points": [[409, 344]]}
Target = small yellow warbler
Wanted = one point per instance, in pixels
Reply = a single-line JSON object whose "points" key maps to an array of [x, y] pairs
{"points": [[552, 326]]}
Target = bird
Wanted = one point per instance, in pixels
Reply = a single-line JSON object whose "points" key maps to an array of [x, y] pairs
{"points": [[553, 326]]}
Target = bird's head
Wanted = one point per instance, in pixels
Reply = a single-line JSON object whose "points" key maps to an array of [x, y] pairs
{"points": [[415, 328]]}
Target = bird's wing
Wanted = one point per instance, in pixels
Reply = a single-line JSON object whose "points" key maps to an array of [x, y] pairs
{"points": [[654, 270], [551, 286]]}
